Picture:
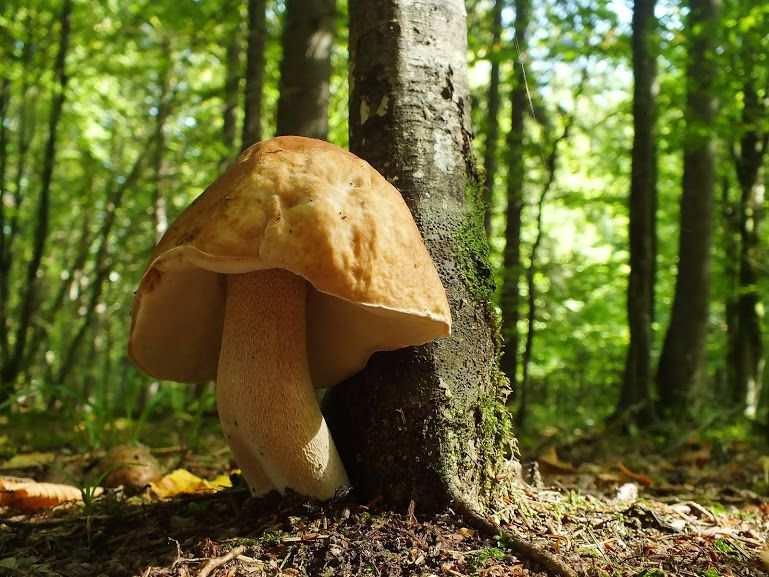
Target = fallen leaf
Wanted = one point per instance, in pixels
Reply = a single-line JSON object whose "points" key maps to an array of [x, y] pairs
{"points": [[28, 461], [551, 463], [181, 481], [30, 496], [639, 478]]}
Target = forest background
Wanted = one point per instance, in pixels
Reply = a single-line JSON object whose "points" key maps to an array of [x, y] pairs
{"points": [[113, 118]]}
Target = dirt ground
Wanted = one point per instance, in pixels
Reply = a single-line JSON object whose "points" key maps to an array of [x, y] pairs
{"points": [[701, 511]]}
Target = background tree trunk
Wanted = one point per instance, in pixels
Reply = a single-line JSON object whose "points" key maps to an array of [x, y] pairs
{"points": [[510, 296], [416, 420], [252, 118], [636, 391], [308, 37], [492, 116], [747, 346], [231, 89], [681, 363]]}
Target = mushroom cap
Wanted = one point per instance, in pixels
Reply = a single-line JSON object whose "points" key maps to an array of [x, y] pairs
{"points": [[308, 207]]}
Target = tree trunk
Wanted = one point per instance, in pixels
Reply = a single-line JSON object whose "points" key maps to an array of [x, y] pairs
{"points": [[511, 275], [231, 90], [5, 96], [636, 394], [747, 348], [492, 117], [418, 420], [308, 37], [252, 119], [29, 297], [681, 365]]}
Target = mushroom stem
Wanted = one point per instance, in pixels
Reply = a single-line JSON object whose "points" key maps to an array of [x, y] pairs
{"points": [[266, 401]]}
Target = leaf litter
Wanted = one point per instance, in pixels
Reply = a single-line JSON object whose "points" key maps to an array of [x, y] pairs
{"points": [[681, 515]]}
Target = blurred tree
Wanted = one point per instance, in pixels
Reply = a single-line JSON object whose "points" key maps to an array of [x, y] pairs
{"points": [[511, 271], [308, 37], [490, 150], [637, 386], [681, 366], [232, 77], [252, 120], [748, 145]]}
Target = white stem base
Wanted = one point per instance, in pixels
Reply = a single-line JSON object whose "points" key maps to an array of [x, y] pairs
{"points": [[266, 401]]}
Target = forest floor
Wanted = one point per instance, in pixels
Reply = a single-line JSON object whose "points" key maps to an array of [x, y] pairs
{"points": [[606, 507]]}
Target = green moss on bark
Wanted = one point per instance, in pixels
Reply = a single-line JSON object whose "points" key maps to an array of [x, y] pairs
{"points": [[473, 247]]}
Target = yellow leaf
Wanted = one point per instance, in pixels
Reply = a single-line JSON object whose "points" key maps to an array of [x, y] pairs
{"points": [[182, 481], [221, 482]]}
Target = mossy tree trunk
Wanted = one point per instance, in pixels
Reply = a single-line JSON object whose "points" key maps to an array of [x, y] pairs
{"points": [[419, 419]]}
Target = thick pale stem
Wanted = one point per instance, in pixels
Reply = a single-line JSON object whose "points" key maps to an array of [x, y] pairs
{"points": [[265, 397]]}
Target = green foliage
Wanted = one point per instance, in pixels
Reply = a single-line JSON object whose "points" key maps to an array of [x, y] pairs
{"points": [[129, 58]]}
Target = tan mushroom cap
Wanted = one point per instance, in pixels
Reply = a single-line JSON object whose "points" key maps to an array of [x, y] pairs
{"points": [[313, 209]]}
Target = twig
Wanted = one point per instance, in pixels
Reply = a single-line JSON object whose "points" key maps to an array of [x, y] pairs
{"points": [[219, 561]]}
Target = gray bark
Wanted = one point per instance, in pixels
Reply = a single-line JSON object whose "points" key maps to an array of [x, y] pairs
{"points": [[308, 37], [418, 421]]}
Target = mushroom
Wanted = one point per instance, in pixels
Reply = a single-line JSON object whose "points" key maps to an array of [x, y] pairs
{"points": [[283, 277]]}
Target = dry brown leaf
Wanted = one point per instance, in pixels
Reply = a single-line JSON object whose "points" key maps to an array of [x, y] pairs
{"points": [[639, 478], [550, 462], [30, 496]]}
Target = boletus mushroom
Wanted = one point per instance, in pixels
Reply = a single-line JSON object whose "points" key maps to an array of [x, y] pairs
{"points": [[281, 278]]}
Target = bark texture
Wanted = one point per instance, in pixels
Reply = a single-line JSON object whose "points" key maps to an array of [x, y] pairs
{"points": [[252, 118], [510, 297], [637, 385], [681, 363], [492, 117], [308, 37], [417, 420]]}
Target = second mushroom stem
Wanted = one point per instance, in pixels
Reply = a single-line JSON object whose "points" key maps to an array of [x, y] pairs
{"points": [[264, 394]]}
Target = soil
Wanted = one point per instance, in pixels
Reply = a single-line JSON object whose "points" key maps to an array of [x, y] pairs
{"points": [[643, 516]]}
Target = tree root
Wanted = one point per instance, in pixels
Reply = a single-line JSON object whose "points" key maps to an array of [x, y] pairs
{"points": [[520, 546]]}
